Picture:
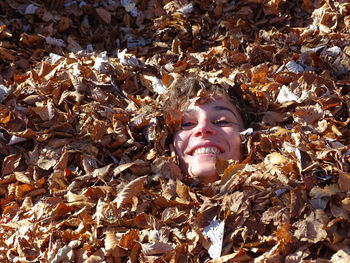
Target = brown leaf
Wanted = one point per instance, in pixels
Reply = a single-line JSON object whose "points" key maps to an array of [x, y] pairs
{"points": [[173, 119], [129, 191], [157, 248], [346, 204], [260, 54], [104, 15], [97, 257], [259, 73], [285, 77], [311, 229], [10, 163], [173, 214], [204, 217], [272, 117], [64, 23], [298, 202], [328, 190], [135, 251], [344, 182], [166, 167], [22, 190], [275, 158], [32, 40], [45, 112], [97, 192], [129, 239], [5, 114], [8, 179], [183, 191], [238, 256], [308, 114], [7, 55], [102, 172], [284, 236]]}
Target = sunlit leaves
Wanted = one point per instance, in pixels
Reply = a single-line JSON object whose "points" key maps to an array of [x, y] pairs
{"points": [[87, 171]]}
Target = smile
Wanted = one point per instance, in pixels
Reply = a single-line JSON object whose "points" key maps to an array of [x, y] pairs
{"points": [[206, 150]]}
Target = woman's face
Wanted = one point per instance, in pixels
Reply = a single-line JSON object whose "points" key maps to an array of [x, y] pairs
{"points": [[208, 131]]}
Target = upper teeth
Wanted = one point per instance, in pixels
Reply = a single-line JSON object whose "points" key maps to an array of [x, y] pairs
{"points": [[203, 150]]}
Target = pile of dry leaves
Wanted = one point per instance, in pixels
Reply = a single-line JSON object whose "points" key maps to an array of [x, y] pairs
{"points": [[87, 174]]}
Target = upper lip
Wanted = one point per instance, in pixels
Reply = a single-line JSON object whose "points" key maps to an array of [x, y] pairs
{"points": [[190, 152]]}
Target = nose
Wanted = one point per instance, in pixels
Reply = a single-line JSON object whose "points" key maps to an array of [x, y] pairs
{"points": [[204, 127]]}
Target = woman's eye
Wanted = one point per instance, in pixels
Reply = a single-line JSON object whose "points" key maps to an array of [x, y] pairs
{"points": [[222, 122], [187, 125]]}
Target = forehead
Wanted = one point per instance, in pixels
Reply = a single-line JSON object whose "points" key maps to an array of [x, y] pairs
{"points": [[212, 103]]}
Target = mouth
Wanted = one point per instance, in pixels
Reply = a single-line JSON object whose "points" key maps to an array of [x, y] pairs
{"points": [[206, 150]]}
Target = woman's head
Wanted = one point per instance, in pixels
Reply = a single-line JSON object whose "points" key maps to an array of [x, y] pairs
{"points": [[210, 127]]}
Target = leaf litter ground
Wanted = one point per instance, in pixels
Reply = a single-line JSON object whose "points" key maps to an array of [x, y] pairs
{"points": [[87, 174]]}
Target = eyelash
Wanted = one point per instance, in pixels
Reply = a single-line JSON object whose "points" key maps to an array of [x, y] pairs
{"points": [[220, 122], [186, 125], [216, 122]]}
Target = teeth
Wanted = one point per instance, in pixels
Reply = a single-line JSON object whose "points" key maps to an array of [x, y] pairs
{"points": [[204, 150]]}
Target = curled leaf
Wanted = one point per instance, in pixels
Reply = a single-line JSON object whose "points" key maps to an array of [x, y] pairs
{"points": [[129, 191]]}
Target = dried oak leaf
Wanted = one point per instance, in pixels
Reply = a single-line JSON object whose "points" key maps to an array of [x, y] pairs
{"points": [[104, 15], [344, 182], [183, 192], [129, 191], [312, 228], [298, 202], [7, 55], [10, 163], [238, 256], [173, 214], [285, 77], [233, 202], [157, 248], [308, 115], [129, 239], [22, 190], [5, 115], [260, 54], [173, 119], [64, 252], [32, 40], [328, 190], [166, 167], [259, 73]]}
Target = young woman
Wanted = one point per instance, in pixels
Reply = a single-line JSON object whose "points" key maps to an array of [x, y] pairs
{"points": [[210, 127]]}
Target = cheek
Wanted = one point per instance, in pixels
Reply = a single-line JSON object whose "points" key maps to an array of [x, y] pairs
{"points": [[234, 140], [179, 142]]}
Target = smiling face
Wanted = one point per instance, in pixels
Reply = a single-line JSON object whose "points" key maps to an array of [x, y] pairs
{"points": [[208, 131]]}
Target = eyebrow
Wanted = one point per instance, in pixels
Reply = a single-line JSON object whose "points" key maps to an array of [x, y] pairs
{"points": [[224, 108], [217, 108]]}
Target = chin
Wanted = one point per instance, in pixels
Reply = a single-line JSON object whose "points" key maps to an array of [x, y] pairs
{"points": [[204, 174]]}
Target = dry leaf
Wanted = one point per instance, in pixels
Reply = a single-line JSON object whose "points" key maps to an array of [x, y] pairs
{"points": [[81, 118], [157, 248], [129, 191]]}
